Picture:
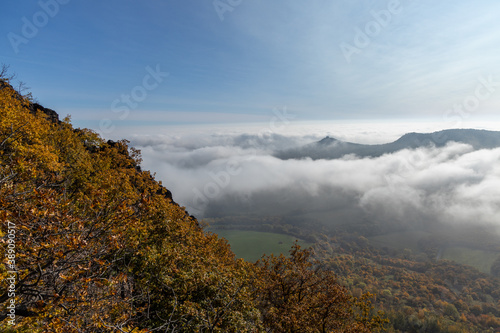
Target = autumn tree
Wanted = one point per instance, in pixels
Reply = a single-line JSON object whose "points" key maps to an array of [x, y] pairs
{"points": [[101, 247], [297, 295]]}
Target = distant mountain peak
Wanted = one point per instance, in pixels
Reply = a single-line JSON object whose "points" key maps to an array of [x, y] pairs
{"points": [[327, 140], [330, 148]]}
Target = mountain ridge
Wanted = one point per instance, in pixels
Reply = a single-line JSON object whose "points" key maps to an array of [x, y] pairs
{"points": [[331, 148], [91, 235]]}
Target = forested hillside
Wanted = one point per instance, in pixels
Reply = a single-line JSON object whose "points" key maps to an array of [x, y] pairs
{"points": [[94, 244], [417, 291]]}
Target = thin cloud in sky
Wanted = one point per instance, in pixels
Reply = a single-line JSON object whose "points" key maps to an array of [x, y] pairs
{"points": [[424, 58], [426, 52]]}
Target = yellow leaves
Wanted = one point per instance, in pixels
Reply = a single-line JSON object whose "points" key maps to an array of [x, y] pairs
{"points": [[64, 277], [25, 227], [100, 237], [100, 262]]}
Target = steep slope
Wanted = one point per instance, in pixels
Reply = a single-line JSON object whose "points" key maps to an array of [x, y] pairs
{"points": [[95, 244], [98, 243], [329, 148]]}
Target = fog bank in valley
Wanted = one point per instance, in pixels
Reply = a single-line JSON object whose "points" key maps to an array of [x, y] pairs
{"points": [[217, 175]]}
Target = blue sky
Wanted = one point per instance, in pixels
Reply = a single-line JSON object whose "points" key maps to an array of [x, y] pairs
{"points": [[323, 60]]}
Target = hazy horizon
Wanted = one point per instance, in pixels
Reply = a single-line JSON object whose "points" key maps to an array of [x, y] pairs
{"points": [[228, 102], [210, 92], [125, 64], [234, 172]]}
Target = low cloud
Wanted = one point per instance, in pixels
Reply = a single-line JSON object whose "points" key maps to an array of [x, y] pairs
{"points": [[235, 174]]}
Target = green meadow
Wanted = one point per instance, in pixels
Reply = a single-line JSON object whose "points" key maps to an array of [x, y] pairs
{"points": [[251, 245], [482, 260]]}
